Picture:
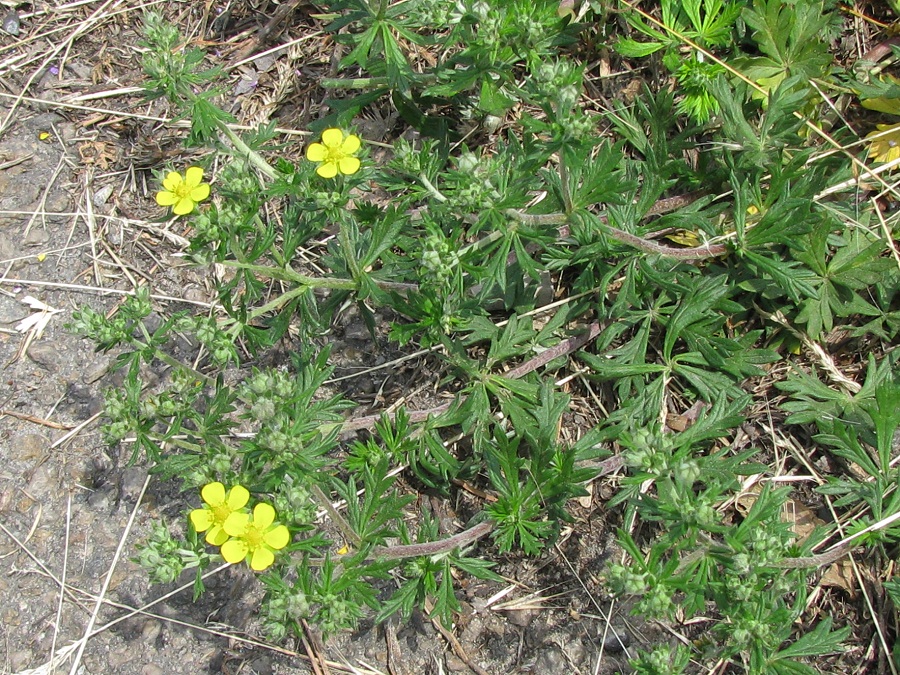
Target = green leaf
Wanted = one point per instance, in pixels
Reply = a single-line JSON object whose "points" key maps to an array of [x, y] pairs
{"points": [[633, 49], [821, 640], [492, 100]]}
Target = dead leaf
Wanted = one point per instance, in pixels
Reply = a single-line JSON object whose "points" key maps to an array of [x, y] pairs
{"points": [[840, 575], [37, 322], [803, 521]]}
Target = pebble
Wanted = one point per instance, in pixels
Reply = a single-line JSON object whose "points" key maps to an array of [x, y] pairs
{"points": [[102, 195], [97, 370], [45, 354], [8, 251], [357, 331], [456, 664], [550, 660], [43, 482], [37, 236], [150, 630], [521, 617], [616, 641], [151, 669]]}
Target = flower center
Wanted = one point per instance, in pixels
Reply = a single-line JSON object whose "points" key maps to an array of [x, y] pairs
{"points": [[334, 155], [254, 537], [220, 512], [183, 190]]}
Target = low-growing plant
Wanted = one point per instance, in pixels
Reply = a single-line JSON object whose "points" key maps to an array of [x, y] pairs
{"points": [[674, 262]]}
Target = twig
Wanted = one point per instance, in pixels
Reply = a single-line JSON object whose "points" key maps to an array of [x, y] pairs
{"points": [[35, 420]]}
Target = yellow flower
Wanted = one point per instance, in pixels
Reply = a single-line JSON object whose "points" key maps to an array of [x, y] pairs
{"points": [[885, 143], [183, 192], [255, 539], [219, 506], [335, 153]]}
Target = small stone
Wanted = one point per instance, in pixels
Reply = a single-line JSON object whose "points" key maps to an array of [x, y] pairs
{"points": [[58, 202], [455, 664], [102, 195], [357, 331], [151, 669], [10, 617], [150, 631], [95, 372], [615, 641], [521, 617], [37, 237], [43, 481], [45, 354], [7, 248], [261, 666], [550, 660], [10, 310]]}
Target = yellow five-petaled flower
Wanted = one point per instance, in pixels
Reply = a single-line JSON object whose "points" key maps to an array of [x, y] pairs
{"points": [[255, 539], [183, 192], [219, 506], [885, 143], [334, 153]]}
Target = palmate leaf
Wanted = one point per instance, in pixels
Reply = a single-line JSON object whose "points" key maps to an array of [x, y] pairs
{"points": [[814, 401], [794, 279], [821, 640], [696, 307], [790, 35], [856, 264]]}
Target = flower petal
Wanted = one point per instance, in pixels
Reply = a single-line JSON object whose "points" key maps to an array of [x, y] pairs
{"points": [[236, 524], [315, 152], [216, 536], [277, 537], [166, 198], [238, 496], [327, 170], [193, 176], [213, 494], [201, 192], [183, 207], [234, 550], [263, 515], [332, 138], [262, 558], [172, 180], [201, 519], [348, 165], [350, 145]]}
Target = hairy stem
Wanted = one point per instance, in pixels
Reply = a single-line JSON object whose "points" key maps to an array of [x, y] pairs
{"points": [[252, 156]]}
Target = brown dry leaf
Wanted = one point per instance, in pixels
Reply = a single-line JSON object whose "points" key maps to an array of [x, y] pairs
{"points": [[585, 501], [746, 499], [840, 575], [803, 521]]}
